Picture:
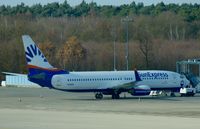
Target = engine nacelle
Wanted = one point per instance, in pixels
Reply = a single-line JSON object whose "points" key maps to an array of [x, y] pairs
{"points": [[141, 90]]}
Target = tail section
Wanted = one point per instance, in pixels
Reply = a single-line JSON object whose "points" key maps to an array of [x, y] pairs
{"points": [[40, 70], [34, 56]]}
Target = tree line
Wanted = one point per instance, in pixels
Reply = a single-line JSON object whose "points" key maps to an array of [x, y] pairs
{"points": [[85, 41], [189, 12]]}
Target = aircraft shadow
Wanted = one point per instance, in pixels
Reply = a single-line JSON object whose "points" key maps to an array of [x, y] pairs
{"points": [[126, 98]]}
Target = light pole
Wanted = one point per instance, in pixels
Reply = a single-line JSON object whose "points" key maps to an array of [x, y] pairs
{"points": [[127, 20], [114, 60], [113, 33]]}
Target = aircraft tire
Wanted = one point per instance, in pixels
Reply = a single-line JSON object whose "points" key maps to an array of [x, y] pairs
{"points": [[182, 95], [192, 94], [115, 96], [99, 96]]}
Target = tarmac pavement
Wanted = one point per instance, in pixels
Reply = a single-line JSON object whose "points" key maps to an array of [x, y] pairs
{"points": [[22, 108]]}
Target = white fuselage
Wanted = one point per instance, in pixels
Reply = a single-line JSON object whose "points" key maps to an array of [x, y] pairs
{"points": [[110, 79]]}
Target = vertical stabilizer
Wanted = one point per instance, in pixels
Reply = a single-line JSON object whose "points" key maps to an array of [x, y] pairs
{"points": [[34, 56], [40, 71]]}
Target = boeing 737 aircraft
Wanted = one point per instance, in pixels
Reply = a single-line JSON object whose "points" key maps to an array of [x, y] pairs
{"points": [[100, 82]]}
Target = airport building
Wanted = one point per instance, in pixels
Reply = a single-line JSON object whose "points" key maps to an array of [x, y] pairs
{"points": [[17, 80]]}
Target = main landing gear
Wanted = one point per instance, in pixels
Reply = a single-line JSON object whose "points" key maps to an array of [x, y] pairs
{"points": [[98, 95], [115, 96]]}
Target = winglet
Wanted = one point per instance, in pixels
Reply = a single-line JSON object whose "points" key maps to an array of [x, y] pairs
{"points": [[137, 76]]}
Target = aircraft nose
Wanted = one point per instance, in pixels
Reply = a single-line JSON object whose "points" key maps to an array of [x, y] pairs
{"points": [[187, 82]]}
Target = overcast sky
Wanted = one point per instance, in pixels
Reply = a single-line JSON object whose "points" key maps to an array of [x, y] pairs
{"points": [[99, 2]]}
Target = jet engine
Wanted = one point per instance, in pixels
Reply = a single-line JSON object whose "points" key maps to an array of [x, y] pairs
{"points": [[140, 90]]}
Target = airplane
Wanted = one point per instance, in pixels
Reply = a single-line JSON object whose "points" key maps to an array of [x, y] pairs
{"points": [[112, 83]]}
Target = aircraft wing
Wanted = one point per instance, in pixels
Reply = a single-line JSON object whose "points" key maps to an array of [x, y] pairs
{"points": [[130, 84], [125, 86]]}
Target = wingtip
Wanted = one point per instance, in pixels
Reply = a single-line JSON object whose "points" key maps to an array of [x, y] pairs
{"points": [[25, 35]]}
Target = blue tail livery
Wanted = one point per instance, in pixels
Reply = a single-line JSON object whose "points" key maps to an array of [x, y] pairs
{"points": [[40, 71]]}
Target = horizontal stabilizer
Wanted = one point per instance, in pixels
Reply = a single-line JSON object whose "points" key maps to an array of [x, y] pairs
{"points": [[14, 74]]}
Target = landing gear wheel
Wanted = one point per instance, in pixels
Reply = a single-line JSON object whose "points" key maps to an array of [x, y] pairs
{"points": [[182, 95], [192, 94], [98, 95], [115, 96]]}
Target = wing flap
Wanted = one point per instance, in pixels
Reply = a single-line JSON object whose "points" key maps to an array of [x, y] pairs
{"points": [[128, 85]]}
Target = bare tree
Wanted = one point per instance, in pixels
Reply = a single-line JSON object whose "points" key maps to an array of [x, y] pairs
{"points": [[71, 54], [145, 44], [49, 51]]}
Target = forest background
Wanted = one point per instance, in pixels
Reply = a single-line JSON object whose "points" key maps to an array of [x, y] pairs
{"points": [[82, 37]]}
